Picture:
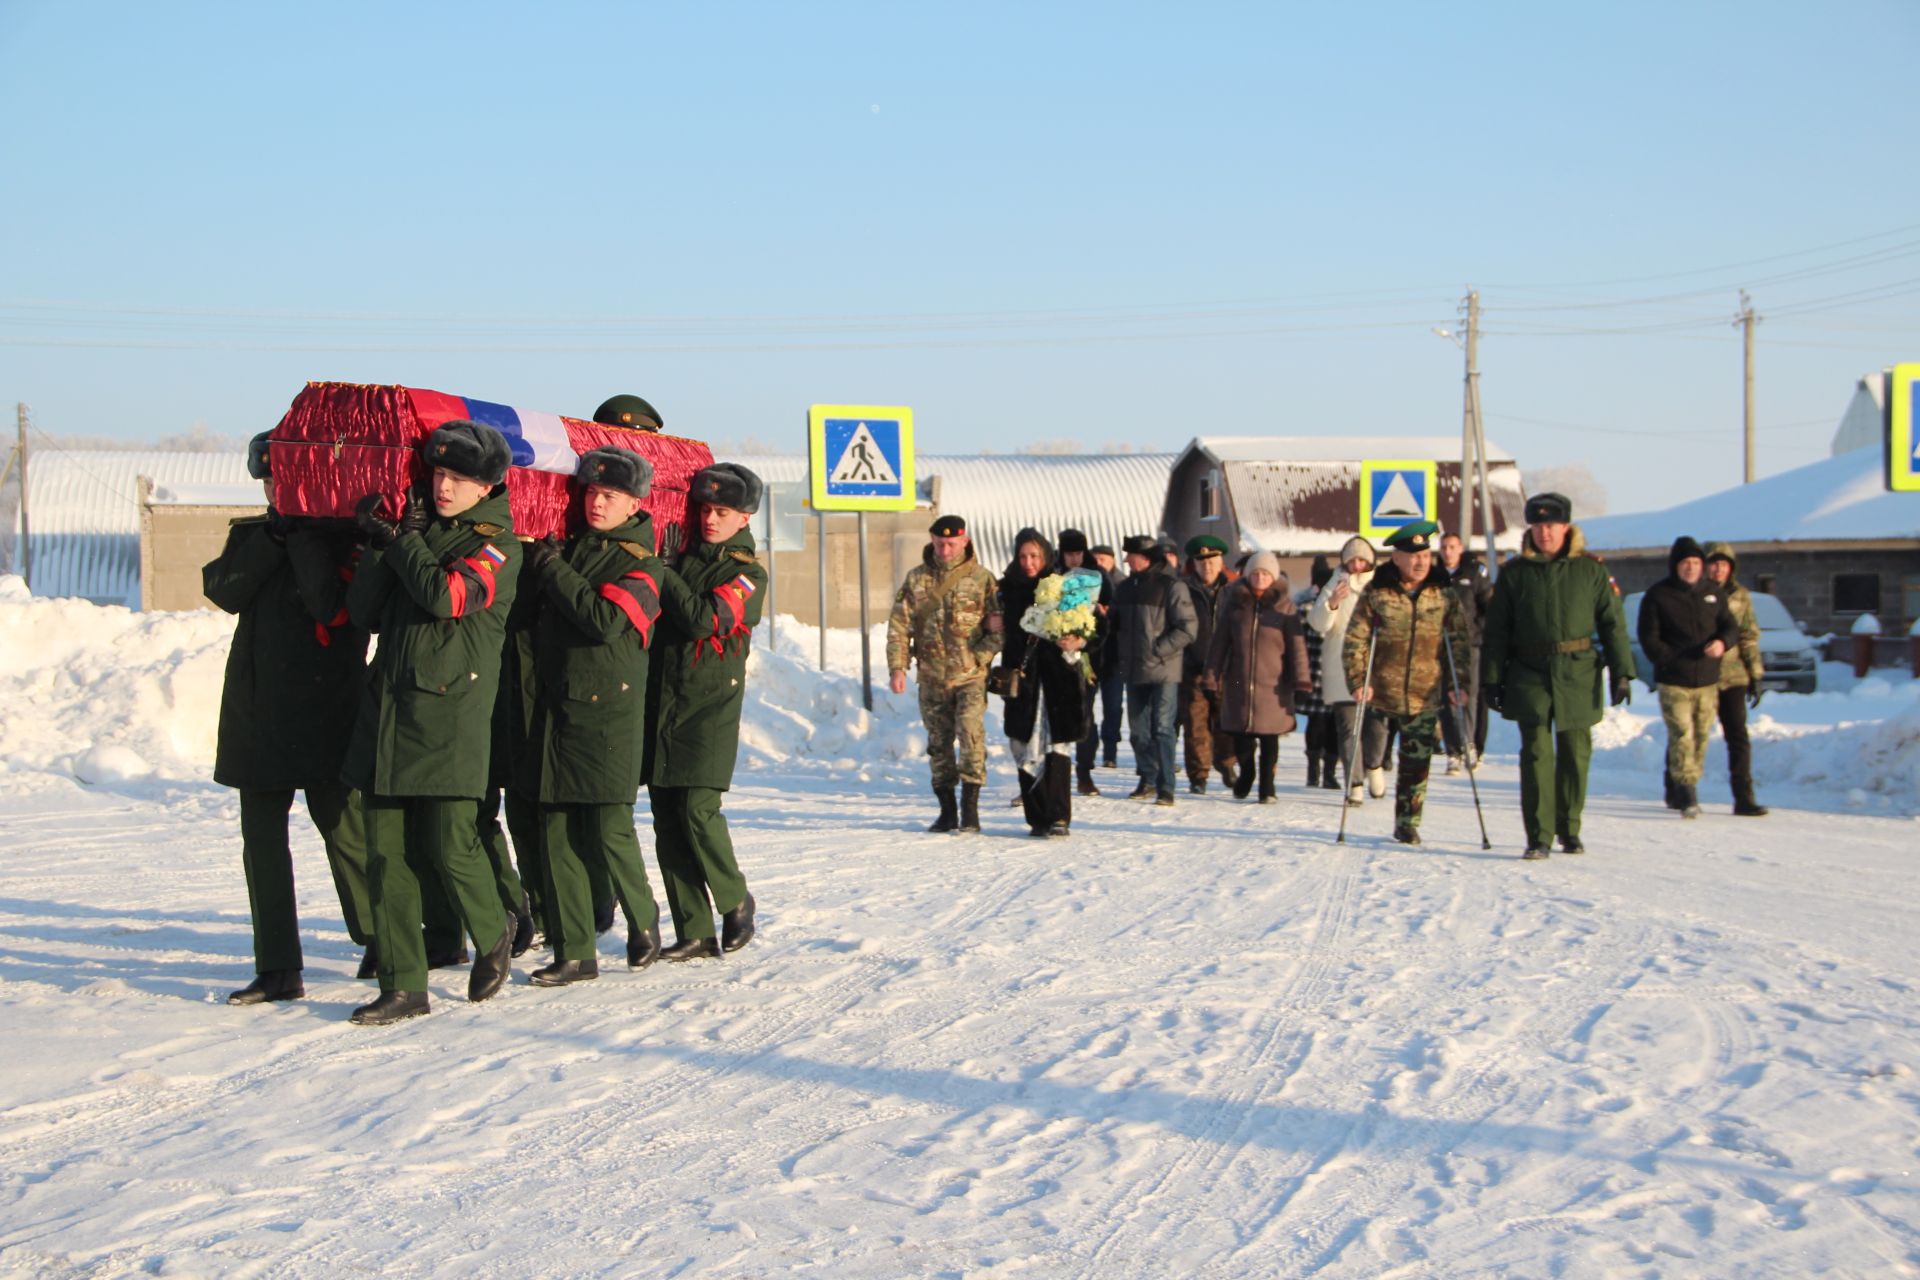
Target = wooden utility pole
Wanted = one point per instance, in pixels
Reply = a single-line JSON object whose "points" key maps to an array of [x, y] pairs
{"points": [[1746, 320], [26, 542], [1472, 345]]}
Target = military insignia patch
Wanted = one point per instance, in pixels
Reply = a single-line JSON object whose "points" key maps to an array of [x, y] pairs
{"points": [[495, 554]]}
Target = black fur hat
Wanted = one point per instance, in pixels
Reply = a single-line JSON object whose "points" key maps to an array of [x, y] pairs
{"points": [[728, 484], [258, 465], [1073, 540], [616, 468], [471, 449]]}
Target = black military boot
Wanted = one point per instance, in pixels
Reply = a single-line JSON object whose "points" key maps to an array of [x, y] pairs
{"points": [[603, 915], [736, 926], [1087, 786], [949, 814], [1330, 773], [1744, 804], [391, 1006], [1571, 844], [1673, 791], [369, 963], [643, 947], [456, 955], [1197, 786], [274, 984], [969, 809], [1229, 774], [1313, 769], [1268, 763], [563, 973], [1689, 800], [522, 928], [490, 971], [1407, 833], [693, 949]]}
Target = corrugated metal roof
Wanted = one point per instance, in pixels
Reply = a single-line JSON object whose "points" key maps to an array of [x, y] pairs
{"points": [[84, 508], [1105, 495], [1336, 448]]}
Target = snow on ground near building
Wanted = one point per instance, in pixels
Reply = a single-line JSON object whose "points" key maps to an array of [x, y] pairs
{"points": [[1205, 1041]]}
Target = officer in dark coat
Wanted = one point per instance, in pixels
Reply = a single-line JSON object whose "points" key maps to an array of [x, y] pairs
{"points": [[294, 675], [1208, 746], [713, 597], [599, 603], [436, 588]]}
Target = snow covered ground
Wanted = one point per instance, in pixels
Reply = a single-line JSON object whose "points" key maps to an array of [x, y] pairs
{"points": [[1209, 1041]]}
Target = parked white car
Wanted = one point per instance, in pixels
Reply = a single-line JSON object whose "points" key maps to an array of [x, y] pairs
{"points": [[1792, 661]]}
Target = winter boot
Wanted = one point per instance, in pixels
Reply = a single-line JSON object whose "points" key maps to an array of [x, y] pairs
{"points": [[1085, 779], [1229, 774], [274, 984], [1198, 786], [1571, 844], [1330, 773], [562, 973], [1407, 833], [1268, 763], [1744, 805], [736, 926], [969, 809], [1377, 782], [1313, 769], [1243, 785], [1689, 801], [491, 970], [1673, 791], [390, 1006], [522, 928], [369, 963], [1455, 764], [949, 815]]}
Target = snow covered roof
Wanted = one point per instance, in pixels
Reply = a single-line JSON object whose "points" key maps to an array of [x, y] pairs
{"points": [[1863, 425], [83, 508], [1839, 498], [1336, 448], [1106, 496]]}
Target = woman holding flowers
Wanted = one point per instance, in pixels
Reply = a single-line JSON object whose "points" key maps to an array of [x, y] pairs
{"points": [[1259, 662], [1047, 714]]}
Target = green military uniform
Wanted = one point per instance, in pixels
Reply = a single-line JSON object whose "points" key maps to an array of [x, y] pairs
{"points": [[294, 676], [438, 600], [1412, 631], [512, 725], [598, 607], [1537, 650], [713, 600], [939, 620]]}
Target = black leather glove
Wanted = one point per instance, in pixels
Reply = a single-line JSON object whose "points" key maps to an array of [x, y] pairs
{"points": [[1496, 698], [1622, 690], [380, 531], [279, 524], [1754, 693], [540, 557], [417, 515]]}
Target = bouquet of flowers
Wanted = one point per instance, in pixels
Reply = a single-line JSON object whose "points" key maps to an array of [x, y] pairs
{"points": [[1063, 606]]}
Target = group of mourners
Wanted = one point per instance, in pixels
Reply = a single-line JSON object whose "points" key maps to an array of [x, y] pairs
{"points": [[1406, 656], [544, 681]]}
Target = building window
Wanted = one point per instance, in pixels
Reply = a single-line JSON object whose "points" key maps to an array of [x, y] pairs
{"points": [[1210, 495], [1856, 593]]}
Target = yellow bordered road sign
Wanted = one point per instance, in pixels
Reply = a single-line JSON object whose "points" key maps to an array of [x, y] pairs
{"points": [[1395, 493], [1903, 448], [860, 457]]}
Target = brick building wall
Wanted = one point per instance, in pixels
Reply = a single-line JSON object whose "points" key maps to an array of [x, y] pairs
{"points": [[1804, 577]]}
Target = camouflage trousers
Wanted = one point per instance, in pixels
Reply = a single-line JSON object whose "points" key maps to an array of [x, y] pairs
{"points": [[1419, 734], [1689, 715], [1207, 746], [956, 721]]}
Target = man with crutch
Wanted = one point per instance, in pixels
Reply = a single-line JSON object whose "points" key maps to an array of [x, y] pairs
{"points": [[1395, 660], [1538, 667]]}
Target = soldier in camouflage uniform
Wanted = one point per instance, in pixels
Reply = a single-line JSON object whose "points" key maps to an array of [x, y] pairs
{"points": [[1415, 616], [946, 618], [1741, 668]]}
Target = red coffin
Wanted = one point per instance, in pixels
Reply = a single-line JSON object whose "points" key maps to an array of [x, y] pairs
{"points": [[342, 440]]}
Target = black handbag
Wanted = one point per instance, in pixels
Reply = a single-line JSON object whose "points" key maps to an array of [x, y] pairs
{"points": [[1004, 681]]}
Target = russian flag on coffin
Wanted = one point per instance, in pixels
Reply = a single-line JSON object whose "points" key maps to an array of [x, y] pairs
{"points": [[538, 440]]}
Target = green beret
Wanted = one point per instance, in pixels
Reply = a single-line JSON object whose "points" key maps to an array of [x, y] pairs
{"points": [[1204, 547], [1418, 536]]}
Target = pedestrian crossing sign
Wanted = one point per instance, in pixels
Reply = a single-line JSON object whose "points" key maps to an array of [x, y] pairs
{"points": [[1394, 494], [860, 457], [1903, 441]]}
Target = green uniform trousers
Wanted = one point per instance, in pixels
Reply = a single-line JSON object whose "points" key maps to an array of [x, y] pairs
{"points": [[1553, 779], [523, 824], [268, 862], [414, 841], [578, 838], [695, 852]]}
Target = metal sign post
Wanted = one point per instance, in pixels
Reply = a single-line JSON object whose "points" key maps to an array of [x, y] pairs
{"points": [[866, 629], [820, 523]]}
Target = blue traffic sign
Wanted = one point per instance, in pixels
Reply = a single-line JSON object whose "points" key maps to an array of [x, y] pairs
{"points": [[861, 458], [1394, 494]]}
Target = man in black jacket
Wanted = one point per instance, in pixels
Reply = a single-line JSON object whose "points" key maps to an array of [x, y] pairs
{"points": [[1685, 627], [1474, 586], [1154, 622], [1207, 748]]}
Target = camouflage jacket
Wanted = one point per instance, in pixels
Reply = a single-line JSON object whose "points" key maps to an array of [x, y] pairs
{"points": [[1740, 665], [1409, 660], [939, 620]]}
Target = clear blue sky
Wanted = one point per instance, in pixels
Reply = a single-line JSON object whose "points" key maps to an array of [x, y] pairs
{"points": [[1030, 222]]}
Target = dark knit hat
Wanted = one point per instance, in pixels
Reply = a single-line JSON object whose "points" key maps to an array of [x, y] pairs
{"points": [[728, 484], [1140, 544], [471, 449], [629, 411], [616, 468], [1684, 548], [1549, 508], [258, 465], [948, 527], [1205, 546], [1073, 540]]}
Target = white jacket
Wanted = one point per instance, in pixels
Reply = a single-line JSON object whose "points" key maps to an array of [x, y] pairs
{"points": [[1331, 623]]}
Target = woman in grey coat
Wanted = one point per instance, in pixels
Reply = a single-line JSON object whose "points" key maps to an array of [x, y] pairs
{"points": [[1259, 663]]}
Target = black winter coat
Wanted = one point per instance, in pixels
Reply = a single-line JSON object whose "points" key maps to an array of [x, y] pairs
{"points": [[1677, 622], [1045, 673], [296, 667], [1206, 612]]}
